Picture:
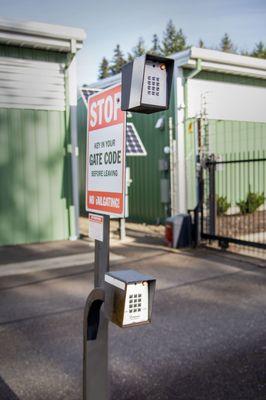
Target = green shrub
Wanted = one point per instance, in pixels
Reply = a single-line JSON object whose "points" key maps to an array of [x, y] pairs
{"points": [[252, 202], [222, 205]]}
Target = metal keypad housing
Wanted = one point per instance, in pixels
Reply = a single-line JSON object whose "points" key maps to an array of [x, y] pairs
{"points": [[128, 297], [146, 84], [154, 85]]}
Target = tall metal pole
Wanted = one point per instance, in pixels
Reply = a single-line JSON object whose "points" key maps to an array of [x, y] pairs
{"points": [[212, 196], [122, 228], [95, 369], [172, 167]]}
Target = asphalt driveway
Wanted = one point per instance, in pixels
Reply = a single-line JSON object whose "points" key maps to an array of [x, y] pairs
{"points": [[207, 339]]}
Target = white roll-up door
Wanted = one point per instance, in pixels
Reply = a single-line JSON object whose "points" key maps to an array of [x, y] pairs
{"points": [[30, 84]]}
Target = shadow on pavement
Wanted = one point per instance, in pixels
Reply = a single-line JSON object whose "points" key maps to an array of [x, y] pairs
{"points": [[5, 392]]}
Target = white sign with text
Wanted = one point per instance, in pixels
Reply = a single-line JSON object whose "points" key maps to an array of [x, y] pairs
{"points": [[105, 161]]}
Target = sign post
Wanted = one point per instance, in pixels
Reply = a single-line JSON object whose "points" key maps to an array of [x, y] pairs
{"points": [[95, 352], [105, 196]]}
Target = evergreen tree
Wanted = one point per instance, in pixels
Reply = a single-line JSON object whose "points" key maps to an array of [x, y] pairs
{"points": [[181, 40], [118, 60], [130, 57], [227, 45], [259, 51], [173, 40], [139, 49], [155, 49], [201, 44], [244, 53], [104, 70]]}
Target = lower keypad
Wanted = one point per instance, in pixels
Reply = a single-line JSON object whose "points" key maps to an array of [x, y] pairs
{"points": [[135, 303]]}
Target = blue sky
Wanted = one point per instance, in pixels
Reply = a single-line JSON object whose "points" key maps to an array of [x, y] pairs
{"points": [[115, 21]]}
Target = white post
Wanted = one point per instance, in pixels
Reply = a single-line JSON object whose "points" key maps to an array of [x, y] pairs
{"points": [[72, 93], [172, 143], [180, 141]]}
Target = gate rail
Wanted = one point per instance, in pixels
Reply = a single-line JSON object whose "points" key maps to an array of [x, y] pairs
{"points": [[227, 184]]}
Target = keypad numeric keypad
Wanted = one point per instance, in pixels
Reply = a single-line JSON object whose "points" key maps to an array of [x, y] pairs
{"points": [[153, 86], [135, 303]]}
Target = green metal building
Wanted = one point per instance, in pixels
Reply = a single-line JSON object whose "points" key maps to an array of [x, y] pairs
{"points": [[218, 104], [38, 161]]}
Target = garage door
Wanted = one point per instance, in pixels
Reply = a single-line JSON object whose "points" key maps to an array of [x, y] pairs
{"points": [[31, 84], [35, 170]]}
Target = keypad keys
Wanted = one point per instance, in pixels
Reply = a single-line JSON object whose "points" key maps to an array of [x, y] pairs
{"points": [[135, 302], [153, 86]]}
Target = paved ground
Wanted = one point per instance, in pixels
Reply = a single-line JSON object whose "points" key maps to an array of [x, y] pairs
{"points": [[207, 339]]}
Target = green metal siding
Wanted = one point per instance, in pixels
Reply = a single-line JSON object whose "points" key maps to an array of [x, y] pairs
{"points": [[32, 54], [234, 140], [35, 194], [220, 77], [231, 140], [82, 137], [144, 193]]}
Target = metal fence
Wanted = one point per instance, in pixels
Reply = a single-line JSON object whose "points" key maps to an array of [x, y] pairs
{"points": [[233, 204]]}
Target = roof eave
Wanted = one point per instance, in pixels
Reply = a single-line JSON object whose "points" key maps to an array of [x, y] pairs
{"points": [[106, 82], [218, 61], [41, 36]]}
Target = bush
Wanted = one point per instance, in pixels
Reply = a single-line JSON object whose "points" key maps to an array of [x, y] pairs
{"points": [[252, 202], [222, 205]]}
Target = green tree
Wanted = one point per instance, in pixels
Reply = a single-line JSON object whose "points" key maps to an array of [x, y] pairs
{"points": [[173, 40], [104, 69], [259, 50], [245, 52], [155, 49], [118, 60], [201, 44], [139, 49], [130, 57], [227, 45]]}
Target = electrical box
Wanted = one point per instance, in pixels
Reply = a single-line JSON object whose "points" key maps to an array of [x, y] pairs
{"points": [[163, 165], [178, 231], [165, 190], [146, 84], [128, 297]]}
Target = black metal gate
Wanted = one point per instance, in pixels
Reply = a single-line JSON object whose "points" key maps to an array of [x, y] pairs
{"points": [[233, 201]]}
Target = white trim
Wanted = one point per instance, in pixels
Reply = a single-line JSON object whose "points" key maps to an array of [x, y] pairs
{"points": [[183, 58], [228, 69], [227, 58], [40, 35], [40, 28], [180, 140], [72, 97], [114, 282]]}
